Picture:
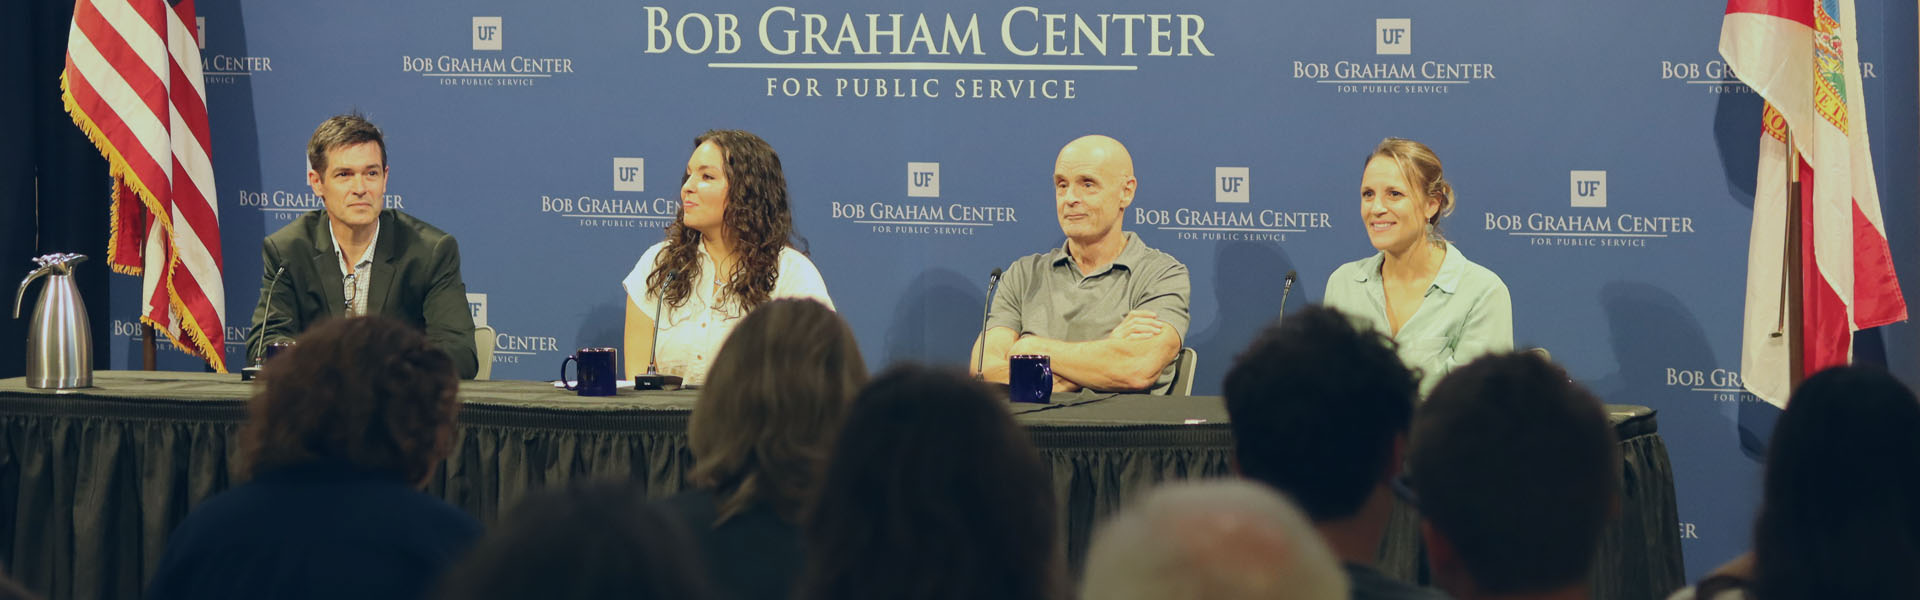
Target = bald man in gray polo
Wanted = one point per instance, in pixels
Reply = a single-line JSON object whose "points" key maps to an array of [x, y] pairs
{"points": [[1109, 311]]}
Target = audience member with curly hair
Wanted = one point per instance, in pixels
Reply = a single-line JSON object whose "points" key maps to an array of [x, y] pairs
{"points": [[729, 250], [342, 433]]}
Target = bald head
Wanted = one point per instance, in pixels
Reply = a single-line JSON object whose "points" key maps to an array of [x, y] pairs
{"points": [[1100, 151], [1093, 186], [1218, 540]]}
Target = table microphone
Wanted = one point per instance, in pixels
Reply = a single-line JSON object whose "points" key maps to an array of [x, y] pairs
{"points": [[253, 347], [1284, 290], [653, 379], [980, 357]]}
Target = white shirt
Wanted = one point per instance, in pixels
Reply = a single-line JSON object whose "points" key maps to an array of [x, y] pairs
{"points": [[691, 334], [357, 282]]}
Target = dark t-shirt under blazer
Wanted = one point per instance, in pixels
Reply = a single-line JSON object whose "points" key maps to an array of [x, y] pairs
{"points": [[321, 530]]}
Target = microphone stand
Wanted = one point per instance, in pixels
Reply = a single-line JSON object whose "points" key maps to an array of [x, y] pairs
{"points": [[253, 369], [653, 379], [1284, 290], [980, 356]]}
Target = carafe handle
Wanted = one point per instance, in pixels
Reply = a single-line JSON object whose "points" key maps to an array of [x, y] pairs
{"points": [[57, 264], [22, 294]]}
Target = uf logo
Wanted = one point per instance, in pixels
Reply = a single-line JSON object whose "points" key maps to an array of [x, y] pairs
{"points": [[1235, 185], [1588, 189], [486, 33], [923, 180], [477, 304], [629, 174], [1395, 36]]}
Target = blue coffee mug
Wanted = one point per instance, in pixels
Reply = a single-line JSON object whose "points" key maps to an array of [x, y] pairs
{"points": [[1030, 378], [596, 369], [274, 349]]}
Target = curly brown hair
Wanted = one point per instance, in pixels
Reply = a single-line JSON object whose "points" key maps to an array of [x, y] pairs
{"points": [[369, 391], [757, 214], [778, 390]]}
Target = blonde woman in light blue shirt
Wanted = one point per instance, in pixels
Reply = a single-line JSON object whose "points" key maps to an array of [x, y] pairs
{"points": [[1441, 309]]}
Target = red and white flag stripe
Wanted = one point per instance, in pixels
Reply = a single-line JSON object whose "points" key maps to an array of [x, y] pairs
{"points": [[133, 84], [1802, 57]]}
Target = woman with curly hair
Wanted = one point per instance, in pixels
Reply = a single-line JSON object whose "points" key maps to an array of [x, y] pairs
{"points": [[342, 433], [728, 251]]}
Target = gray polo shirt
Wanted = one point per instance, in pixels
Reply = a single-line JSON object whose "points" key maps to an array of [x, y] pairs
{"points": [[1045, 295]]}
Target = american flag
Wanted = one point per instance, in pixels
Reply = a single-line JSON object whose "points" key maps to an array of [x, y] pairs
{"points": [[133, 84], [1802, 57]]}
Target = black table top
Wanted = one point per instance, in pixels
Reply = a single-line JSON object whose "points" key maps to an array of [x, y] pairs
{"points": [[212, 395]]}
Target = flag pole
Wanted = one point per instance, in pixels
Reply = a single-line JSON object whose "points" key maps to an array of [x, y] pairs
{"points": [[146, 347], [1791, 304]]}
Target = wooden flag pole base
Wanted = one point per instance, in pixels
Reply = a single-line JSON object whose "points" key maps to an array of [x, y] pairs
{"points": [[146, 347], [1795, 263]]}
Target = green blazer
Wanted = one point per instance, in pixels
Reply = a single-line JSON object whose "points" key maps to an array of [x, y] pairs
{"points": [[416, 279]]}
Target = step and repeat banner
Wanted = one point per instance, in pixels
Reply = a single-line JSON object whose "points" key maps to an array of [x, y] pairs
{"points": [[1602, 154]]}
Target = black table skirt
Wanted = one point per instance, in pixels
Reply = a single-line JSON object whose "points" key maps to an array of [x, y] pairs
{"points": [[92, 482]]}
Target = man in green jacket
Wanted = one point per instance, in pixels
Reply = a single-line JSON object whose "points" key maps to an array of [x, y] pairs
{"points": [[357, 257]]}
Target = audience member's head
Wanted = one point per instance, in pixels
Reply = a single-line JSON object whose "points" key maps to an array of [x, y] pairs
{"points": [[765, 421], [1516, 471], [370, 392], [1219, 540], [933, 492], [1841, 516], [1320, 411], [593, 540]]}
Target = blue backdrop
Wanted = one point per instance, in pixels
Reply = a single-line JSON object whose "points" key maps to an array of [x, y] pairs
{"points": [[549, 137]]}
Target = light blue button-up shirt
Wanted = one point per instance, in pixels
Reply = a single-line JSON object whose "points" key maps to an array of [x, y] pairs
{"points": [[1466, 313]]}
